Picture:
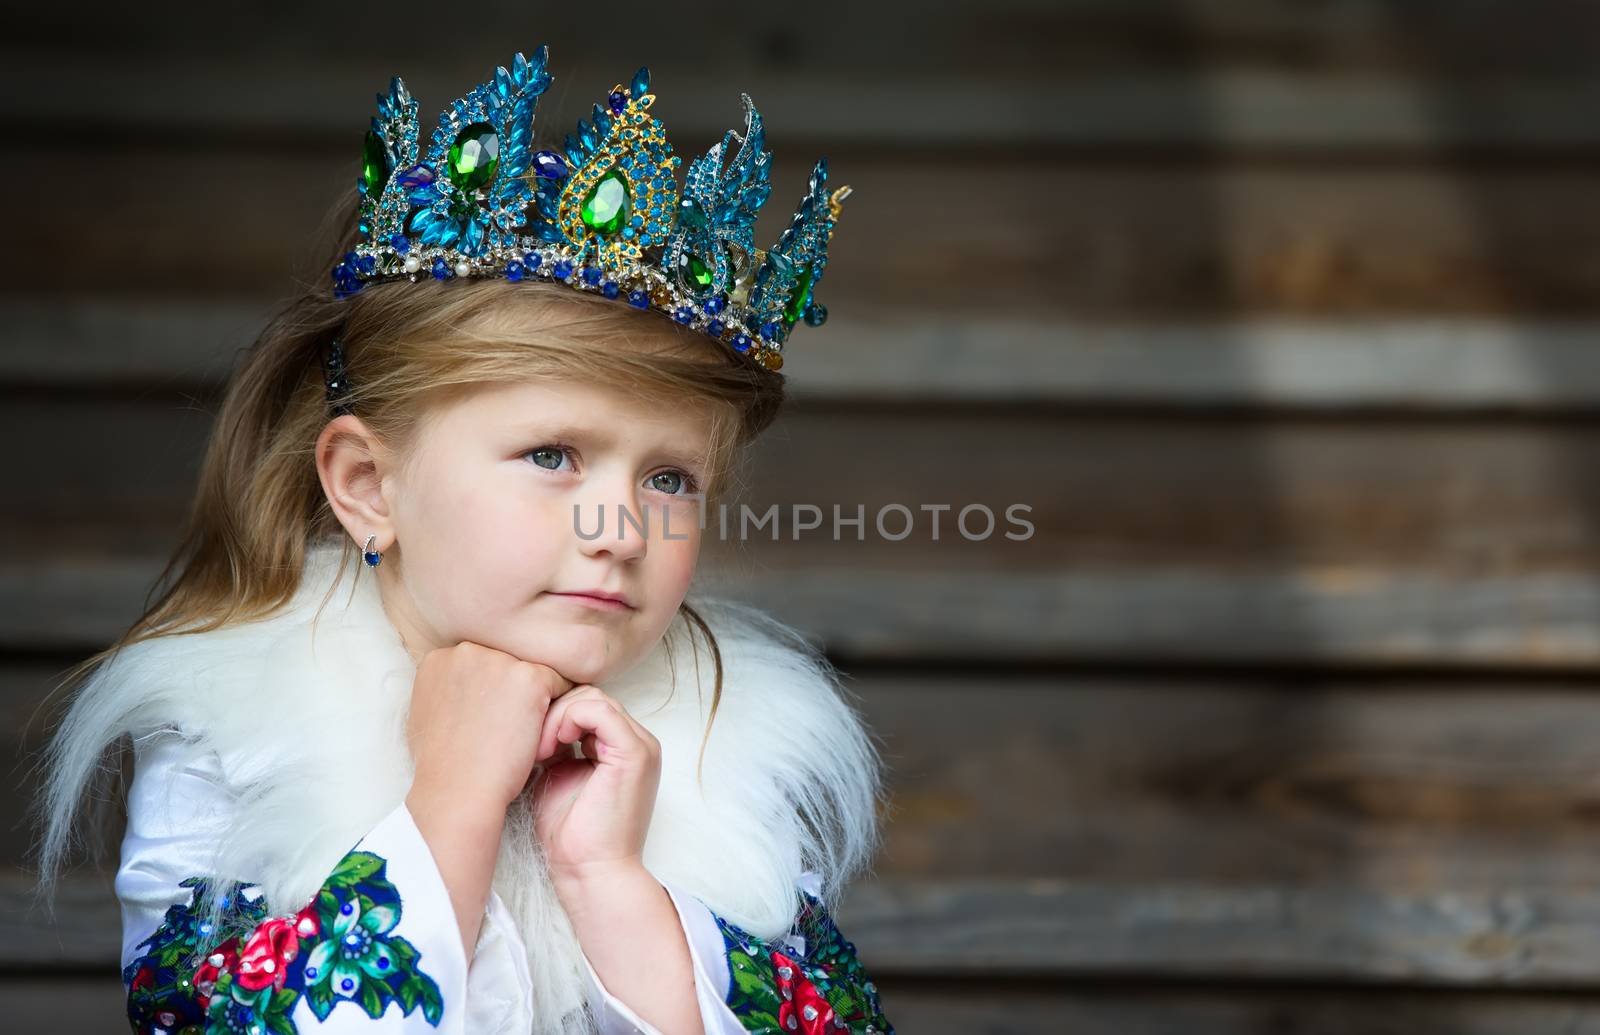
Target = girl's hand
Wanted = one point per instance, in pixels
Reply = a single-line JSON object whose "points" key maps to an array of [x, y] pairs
{"points": [[592, 813], [474, 724]]}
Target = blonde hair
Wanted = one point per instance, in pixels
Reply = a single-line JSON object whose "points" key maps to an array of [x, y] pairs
{"points": [[408, 347]]}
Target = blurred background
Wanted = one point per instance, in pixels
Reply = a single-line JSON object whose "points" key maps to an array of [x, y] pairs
{"points": [[1281, 316]]}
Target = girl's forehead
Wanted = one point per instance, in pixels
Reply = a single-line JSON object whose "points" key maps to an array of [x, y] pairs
{"points": [[561, 408]]}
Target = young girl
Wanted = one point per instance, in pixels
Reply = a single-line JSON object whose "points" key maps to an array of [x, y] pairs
{"points": [[490, 771]]}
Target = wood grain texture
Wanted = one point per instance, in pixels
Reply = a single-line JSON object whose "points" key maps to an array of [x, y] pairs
{"points": [[1153, 71], [1421, 364], [1047, 238]]}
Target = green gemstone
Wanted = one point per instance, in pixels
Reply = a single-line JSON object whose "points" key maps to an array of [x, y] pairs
{"points": [[799, 298], [605, 208], [691, 214], [374, 164], [474, 156], [696, 274]]}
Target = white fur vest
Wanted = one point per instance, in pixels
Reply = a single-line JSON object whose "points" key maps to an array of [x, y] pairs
{"points": [[307, 711]]}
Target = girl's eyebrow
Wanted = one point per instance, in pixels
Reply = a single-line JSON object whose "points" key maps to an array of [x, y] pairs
{"points": [[568, 432], [599, 437]]}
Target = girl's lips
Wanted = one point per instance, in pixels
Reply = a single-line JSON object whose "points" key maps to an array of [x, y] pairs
{"points": [[599, 603]]}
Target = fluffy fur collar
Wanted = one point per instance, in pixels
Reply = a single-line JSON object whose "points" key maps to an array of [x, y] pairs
{"points": [[307, 709]]}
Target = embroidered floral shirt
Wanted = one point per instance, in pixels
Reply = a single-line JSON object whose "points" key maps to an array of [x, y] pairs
{"points": [[378, 947]]}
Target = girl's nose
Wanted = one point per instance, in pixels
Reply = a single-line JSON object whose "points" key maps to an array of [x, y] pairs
{"points": [[618, 524]]}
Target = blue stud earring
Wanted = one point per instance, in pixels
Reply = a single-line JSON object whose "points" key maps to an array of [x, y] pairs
{"points": [[368, 554]]}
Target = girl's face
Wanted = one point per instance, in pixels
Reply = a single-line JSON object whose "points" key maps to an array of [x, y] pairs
{"points": [[495, 519]]}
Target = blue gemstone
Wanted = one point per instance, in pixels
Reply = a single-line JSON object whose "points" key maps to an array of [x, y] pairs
{"points": [[533, 260], [441, 269], [714, 327], [372, 558], [816, 314], [591, 276], [365, 264], [769, 330], [741, 342], [515, 270], [683, 314], [350, 256], [627, 232], [417, 182], [400, 243], [638, 221], [609, 289], [563, 270], [344, 278], [714, 305], [639, 297], [617, 101], [549, 165]]}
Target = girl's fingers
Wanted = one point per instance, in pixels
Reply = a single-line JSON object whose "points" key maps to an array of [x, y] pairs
{"points": [[548, 745], [586, 744], [572, 717]]}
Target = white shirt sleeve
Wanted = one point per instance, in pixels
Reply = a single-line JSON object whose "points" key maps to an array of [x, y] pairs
{"points": [[378, 949], [499, 986]]}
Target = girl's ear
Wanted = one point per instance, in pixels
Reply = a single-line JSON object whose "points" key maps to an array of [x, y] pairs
{"points": [[352, 464]]}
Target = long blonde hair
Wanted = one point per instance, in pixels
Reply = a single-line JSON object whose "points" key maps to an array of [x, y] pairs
{"points": [[259, 502]]}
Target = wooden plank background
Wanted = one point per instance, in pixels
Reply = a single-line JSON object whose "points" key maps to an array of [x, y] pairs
{"points": [[1283, 319]]}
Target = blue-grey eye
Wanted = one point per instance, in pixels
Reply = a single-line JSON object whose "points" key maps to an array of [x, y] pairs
{"points": [[546, 451], [674, 489]]}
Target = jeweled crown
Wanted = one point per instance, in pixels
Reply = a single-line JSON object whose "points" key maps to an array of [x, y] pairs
{"points": [[603, 214]]}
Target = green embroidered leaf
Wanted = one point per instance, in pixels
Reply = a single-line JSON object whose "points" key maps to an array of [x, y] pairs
{"points": [[757, 985], [760, 1022], [371, 1000], [403, 953], [321, 999], [406, 992], [279, 1021], [356, 867], [432, 1001], [845, 1003]]}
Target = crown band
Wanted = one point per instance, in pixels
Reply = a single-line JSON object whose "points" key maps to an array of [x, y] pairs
{"points": [[604, 214]]}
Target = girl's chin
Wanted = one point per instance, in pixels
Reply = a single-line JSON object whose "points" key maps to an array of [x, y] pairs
{"points": [[585, 654]]}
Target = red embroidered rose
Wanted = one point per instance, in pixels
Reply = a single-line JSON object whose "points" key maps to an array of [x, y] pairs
{"points": [[265, 958], [142, 978], [804, 1009], [219, 958]]}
